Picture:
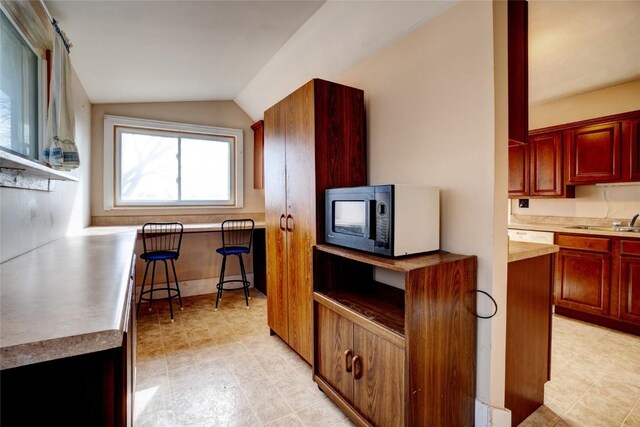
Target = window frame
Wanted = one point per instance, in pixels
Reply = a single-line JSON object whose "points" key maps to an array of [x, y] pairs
{"points": [[42, 94], [112, 124]]}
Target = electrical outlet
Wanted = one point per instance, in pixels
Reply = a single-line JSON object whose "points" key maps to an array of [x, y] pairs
{"points": [[523, 203]]}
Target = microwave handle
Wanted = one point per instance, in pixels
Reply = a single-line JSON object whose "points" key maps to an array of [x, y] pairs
{"points": [[371, 208]]}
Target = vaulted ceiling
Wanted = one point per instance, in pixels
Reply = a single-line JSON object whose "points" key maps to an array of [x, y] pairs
{"points": [[142, 51]]}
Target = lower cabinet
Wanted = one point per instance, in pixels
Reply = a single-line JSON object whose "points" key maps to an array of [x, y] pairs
{"points": [[629, 298], [583, 273], [400, 355], [597, 279], [362, 367]]}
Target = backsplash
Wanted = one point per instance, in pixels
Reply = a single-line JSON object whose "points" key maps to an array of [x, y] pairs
{"points": [[597, 204]]}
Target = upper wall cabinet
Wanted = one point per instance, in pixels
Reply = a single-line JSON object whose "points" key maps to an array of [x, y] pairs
{"points": [[601, 150], [536, 169], [635, 149], [595, 153], [518, 71]]}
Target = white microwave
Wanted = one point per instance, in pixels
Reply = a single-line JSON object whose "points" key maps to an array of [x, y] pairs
{"points": [[391, 220]]}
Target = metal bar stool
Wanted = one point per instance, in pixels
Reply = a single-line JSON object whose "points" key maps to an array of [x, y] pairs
{"points": [[237, 235], [161, 242]]}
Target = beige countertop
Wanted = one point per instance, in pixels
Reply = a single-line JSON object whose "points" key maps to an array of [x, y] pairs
{"points": [[524, 250], [66, 298], [562, 228]]}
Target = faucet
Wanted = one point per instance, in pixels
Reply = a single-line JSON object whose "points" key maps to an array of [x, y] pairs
{"points": [[633, 220]]}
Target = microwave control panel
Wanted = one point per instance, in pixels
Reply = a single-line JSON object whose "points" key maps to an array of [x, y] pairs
{"points": [[382, 219]]}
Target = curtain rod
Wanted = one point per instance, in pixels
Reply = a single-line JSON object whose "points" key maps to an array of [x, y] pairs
{"points": [[63, 36]]}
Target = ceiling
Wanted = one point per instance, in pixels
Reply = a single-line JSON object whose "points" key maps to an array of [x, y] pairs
{"points": [[580, 46], [179, 50]]}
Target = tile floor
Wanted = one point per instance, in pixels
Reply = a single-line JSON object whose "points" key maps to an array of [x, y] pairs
{"points": [[222, 369], [595, 378]]}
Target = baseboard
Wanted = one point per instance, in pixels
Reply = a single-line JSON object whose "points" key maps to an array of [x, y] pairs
{"points": [[491, 416], [199, 287]]}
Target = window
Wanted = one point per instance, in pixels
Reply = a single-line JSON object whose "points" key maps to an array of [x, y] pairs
{"points": [[21, 83], [172, 164]]}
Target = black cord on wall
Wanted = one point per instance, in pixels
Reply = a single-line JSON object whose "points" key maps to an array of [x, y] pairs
{"points": [[495, 305]]}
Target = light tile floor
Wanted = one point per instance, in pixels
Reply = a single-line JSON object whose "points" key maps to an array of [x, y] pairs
{"points": [[222, 369], [595, 378]]}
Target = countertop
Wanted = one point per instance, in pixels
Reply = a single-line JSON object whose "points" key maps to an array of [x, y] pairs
{"points": [[66, 298], [524, 250], [562, 228]]}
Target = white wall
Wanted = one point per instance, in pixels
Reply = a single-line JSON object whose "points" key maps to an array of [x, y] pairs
{"points": [[30, 218], [431, 120]]}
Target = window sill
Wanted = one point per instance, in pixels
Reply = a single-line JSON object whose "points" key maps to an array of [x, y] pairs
{"points": [[33, 169]]}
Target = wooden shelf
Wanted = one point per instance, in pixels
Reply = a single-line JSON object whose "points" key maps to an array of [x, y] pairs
{"points": [[384, 305], [32, 168], [404, 264]]}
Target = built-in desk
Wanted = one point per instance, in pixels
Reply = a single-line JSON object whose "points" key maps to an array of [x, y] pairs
{"points": [[199, 264]]}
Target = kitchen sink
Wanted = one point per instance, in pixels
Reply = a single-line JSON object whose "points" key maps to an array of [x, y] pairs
{"points": [[605, 228]]}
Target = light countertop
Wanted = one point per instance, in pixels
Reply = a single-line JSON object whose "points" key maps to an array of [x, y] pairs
{"points": [[524, 250], [562, 228], [66, 298]]}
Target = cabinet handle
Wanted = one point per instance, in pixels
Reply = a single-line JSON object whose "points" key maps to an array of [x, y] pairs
{"points": [[289, 217], [347, 360], [281, 226], [357, 367]]}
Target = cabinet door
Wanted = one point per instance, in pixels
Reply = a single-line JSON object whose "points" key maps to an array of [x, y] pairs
{"points": [[582, 281], [595, 153], [519, 170], [546, 164], [378, 388], [301, 216], [335, 351], [275, 215], [630, 289], [635, 149]]}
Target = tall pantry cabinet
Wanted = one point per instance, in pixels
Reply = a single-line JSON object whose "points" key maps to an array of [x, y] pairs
{"points": [[314, 139]]}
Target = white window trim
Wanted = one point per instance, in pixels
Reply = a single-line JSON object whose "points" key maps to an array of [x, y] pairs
{"points": [[109, 176]]}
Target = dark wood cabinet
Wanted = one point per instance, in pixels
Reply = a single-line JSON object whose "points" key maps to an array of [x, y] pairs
{"points": [[595, 153], [528, 349], [314, 140], [362, 367], [396, 357], [536, 169], [519, 170], [258, 154], [546, 155], [629, 297], [597, 279], [518, 69], [599, 150], [634, 149]]}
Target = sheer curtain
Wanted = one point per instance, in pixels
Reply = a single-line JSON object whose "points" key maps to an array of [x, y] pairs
{"points": [[60, 150]]}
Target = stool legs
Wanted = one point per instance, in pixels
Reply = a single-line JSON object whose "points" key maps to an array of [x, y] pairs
{"points": [[245, 282], [168, 288], [221, 282]]}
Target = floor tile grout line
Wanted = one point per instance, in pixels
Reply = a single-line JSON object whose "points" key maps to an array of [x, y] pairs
{"points": [[633, 408]]}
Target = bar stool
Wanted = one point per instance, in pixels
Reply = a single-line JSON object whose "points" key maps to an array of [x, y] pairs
{"points": [[237, 235], [161, 242]]}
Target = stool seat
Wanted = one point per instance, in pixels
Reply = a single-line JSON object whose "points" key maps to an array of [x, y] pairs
{"points": [[237, 235], [159, 255], [232, 250]]}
